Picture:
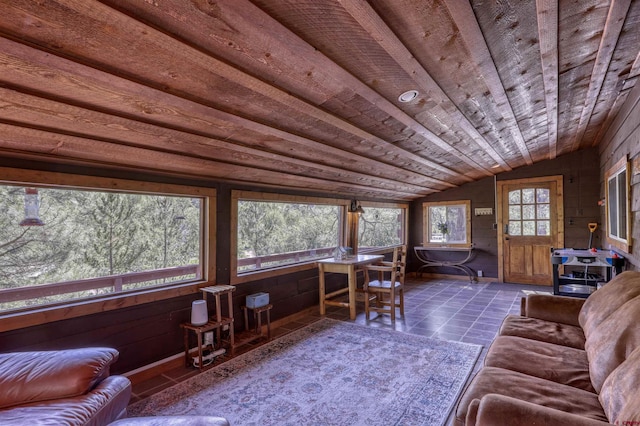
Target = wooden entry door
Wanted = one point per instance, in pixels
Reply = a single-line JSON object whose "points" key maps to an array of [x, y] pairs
{"points": [[531, 222]]}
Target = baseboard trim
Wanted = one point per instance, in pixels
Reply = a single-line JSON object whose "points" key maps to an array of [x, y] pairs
{"points": [[175, 361], [450, 276]]}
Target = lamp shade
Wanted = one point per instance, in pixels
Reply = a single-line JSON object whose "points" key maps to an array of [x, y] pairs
{"points": [[199, 314]]}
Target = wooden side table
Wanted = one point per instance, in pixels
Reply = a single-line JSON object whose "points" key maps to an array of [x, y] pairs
{"points": [[216, 322], [257, 319]]}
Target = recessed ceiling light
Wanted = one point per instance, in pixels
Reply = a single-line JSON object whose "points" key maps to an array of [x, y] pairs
{"points": [[495, 166], [408, 96]]}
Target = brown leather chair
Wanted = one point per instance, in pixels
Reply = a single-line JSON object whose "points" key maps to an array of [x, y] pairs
{"points": [[71, 387]]}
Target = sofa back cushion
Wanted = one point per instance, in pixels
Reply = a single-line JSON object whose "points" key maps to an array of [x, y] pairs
{"points": [[27, 377], [619, 396], [612, 341], [622, 288]]}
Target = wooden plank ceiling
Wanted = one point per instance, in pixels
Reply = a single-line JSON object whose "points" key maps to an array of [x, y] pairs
{"points": [[303, 94]]}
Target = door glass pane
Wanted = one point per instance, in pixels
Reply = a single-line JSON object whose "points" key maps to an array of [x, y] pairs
{"points": [[514, 213], [514, 197], [515, 228], [528, 196], [544, 228], [543, 211], [529, 227], [542, 195], [529, 212]]}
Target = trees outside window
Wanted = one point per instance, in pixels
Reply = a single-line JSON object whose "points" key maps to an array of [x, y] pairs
{"points": [[273, 233], [89, 235], [381, 227], [447, 223]]}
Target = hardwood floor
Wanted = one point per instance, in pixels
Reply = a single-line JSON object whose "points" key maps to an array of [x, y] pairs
{"points": [[442, 308]]}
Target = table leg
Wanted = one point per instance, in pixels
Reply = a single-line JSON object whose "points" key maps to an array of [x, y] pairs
{"points": [[322, 288], [352, 292]]}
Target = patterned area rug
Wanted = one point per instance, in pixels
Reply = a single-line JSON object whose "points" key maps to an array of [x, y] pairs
{"points": [[327, 373]]}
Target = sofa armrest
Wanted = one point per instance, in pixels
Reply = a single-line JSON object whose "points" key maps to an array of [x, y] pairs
{"points": [[560, 309], [494, 409], [27, 377]]}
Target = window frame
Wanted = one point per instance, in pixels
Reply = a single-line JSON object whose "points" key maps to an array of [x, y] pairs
{"points": [[404, 207], [615, 241], [239, 195], [75, 308], [426, 222]]}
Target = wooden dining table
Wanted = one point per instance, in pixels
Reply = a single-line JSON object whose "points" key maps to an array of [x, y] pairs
{"points": [[343, 266]]}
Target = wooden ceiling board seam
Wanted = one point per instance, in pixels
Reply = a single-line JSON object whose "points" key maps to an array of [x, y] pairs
{"points": [[548, 36], [612, 29], [430, 34], [470, 30], [399, 114], [631, 38], [364, 14]]}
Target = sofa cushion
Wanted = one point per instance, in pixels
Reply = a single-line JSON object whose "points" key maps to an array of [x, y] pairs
{"points": [[105, 403], [27, 377], [620, 397], [544, 331], [560, 364], [602, 303], [492, 380], [548, 307], [612, 341], [502, 410]]}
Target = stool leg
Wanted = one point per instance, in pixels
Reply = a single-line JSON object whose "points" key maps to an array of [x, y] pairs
{"points": [[259, 324], [199, 334], [186, 347], [269, 324]]}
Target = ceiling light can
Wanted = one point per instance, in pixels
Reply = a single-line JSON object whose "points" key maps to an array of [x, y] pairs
{"points": [[408, 96]]}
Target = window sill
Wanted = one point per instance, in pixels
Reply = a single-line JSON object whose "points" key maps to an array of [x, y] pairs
{"points": [[46, 314]]}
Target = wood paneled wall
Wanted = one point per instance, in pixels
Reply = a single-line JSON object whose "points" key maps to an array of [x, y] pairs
{"points": [[147, 333], [581, 192], [622, 139]]}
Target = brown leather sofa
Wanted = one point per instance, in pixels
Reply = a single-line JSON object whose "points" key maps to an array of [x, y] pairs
{"points": [[564, 361], [67, 387]]}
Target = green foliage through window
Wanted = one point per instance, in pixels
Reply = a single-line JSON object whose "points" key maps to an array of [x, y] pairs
{"points": [[380, 227], [272, 234], [93, 235]]}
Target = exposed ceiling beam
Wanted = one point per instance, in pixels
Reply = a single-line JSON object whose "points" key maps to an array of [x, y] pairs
{"points": [[26, 110], [271, 61], [79, 148], [81, 86], [547, 11], [612, 29], [470, 31], [205, 69]]}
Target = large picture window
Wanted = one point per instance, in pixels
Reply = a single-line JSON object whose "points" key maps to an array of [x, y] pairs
{"points": [[63, 244], [381, 227], [447, 223], [273, 233]]}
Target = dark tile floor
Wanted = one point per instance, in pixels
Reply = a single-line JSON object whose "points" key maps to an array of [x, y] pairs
{"points": [[443, 309]]}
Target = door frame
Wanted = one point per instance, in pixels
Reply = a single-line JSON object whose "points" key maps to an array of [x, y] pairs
{"points": [[559, 199]]}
